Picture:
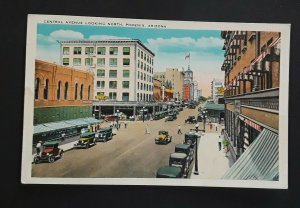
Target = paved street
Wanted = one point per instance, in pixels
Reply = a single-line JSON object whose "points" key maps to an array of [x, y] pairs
{"points": [[131, 153]]}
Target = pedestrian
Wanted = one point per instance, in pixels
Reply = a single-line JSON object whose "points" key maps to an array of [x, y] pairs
{"points": [[197, 127], [220, 142], [216, 125], [125, 124], [38, 147], [210, 126], [179, 129], [147, 131]]}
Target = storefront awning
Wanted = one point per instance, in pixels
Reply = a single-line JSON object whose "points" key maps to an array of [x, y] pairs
{"points": [[53, 126], [259, 161]]}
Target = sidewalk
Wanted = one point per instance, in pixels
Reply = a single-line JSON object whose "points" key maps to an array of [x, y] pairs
{"points": [[212, 163]]}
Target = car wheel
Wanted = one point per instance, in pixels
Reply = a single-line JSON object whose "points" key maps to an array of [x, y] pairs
{"points": [[104, 139], [36, 160], [87, 146], [51, 159]]}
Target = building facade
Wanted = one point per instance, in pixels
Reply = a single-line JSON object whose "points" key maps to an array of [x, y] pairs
{"points": [[252, 67], [174, 77], [157, 90], [196, 91], [217, 90], [123, 68], [61, 93]]}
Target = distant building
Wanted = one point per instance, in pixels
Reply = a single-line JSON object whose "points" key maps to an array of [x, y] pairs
{"points": [[217, 90], [196, 91], [123, 68], [157, 90], [174, 77]]}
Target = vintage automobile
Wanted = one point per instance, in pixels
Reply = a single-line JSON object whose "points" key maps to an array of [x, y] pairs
{"points": [[169, 172], [178, 159], [171, 117], [86, 140], [104, 134], [191, 119], [163, 137], [199, 118], [50, 151], [191, 106], [190, 138], [187, 149]]}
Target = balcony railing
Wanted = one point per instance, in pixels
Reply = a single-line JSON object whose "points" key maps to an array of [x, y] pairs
{"points": [[267, 99]]}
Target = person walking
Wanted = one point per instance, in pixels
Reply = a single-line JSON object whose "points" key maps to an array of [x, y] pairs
{"points": [[147, 131], [125, 124], [38, 147], [179, 129], [216, 125], [220, 142], [210, 126]]}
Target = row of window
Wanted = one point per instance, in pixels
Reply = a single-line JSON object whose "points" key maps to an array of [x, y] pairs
{"points": [[145, 57], [112, 73], [144, 77], [141, 86], [144, 97], [100, 61], [100, 50], [145, 67], [59, 90], [125, 85], [112, 84]]}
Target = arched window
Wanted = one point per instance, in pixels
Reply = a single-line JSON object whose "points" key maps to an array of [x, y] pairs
{"points": [[36, 88], [58, 90], [81, 91], [76, 89], [89, 91], [46, 87], [66, 91]]}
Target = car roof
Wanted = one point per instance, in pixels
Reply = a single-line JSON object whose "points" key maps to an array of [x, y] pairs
{"points": [[50, 143], [105, 129], [87, 134], [163, 132], [178, 155], [169, 171], [183, 146]]}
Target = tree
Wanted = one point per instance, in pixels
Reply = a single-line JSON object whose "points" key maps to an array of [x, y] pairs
{"points": [[202, 99]]}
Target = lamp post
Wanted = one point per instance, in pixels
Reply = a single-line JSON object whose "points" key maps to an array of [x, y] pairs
{"points": [[117, 119], [196, 172], [143, 114], [204, 116]]}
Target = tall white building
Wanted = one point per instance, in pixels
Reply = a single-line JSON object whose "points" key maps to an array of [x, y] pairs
{"points": [[216, 89], [196, 91], [123, 68]]}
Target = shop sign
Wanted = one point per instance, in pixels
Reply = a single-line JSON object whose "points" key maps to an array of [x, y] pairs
{"points": [[253, 125]]}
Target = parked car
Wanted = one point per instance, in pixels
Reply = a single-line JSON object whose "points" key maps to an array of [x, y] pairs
{"points": [[163, 137], [169, 172], [191, 119], [171, 117], [190, 138], [199, 118], [104, 134], [187, 149], [50, 151], [180, 160], [191, 106], [86, 140]]}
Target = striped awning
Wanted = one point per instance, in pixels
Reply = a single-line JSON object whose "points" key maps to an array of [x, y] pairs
{"points": [[259, 161]]}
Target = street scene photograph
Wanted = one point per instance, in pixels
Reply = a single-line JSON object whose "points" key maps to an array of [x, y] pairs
{"points": [[146, 99]]}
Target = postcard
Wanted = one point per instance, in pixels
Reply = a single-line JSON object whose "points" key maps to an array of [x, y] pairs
{"points": [[152, 102]]}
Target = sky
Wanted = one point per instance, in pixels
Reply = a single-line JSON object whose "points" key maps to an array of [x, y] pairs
{"points": [[170, 46]]}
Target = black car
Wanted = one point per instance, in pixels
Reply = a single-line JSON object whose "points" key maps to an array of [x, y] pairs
{"points": [[191, 119], [104, 134]]}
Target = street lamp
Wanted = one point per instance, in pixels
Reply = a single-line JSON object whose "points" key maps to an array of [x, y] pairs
{"points": [[204, 116], [143, 114], [117, 119], [196, 172]]}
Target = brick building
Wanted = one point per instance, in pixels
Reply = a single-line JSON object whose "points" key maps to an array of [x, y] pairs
{"points": [[252, 68], [61, 93]]}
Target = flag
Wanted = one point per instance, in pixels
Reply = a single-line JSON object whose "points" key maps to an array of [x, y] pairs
{"points": [[187, 56]]}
